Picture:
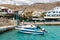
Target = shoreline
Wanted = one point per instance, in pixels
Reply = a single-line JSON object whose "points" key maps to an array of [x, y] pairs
{"points": [[44, 23], [10, 27]]}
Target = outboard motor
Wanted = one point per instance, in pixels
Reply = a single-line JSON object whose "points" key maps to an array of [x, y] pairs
{"points": [[43, 29]]}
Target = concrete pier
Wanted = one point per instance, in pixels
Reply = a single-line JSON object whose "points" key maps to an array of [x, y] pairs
{"points": [[6, 28]]}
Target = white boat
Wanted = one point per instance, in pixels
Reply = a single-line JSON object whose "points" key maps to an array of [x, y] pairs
{"points": [[31, 29]]}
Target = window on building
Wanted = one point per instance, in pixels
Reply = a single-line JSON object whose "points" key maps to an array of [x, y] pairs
{"points": [[49, 12], [57, 8], [4, 10], [57, 15], [56, 12], [59, 12], [53, 15], [48, 15], [53, 12]]}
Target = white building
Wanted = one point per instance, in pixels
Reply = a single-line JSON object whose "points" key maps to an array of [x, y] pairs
{"points": [[5, 10], [56, 9], [10, 11], [36, 14], [53, 14]]}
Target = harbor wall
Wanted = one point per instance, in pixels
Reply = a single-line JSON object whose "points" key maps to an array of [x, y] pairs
{"points": [[42, 23], [13, 22], [6, 25], [6, 28]]}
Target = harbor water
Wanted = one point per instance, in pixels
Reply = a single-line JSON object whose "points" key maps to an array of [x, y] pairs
{"points": [[53, 34]]}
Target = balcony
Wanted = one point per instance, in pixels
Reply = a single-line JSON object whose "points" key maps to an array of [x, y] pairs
{"points": [[1, 13], [52, 17]]}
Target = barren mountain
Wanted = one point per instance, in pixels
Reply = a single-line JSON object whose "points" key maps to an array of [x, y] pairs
{"points": [[36, 6], [43, 6]]}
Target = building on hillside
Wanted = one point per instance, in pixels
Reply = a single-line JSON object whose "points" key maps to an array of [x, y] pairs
{"points": [[3, 10], [6, 12], [10, 12], [53, 15], [36, 16]]}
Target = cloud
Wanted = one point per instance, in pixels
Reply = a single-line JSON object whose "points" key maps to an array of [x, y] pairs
{"points": [[41, 1], [58, 0], [17, 2], [6, 2], [25, 2]]}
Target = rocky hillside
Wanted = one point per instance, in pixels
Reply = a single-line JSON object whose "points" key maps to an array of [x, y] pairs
{"points": [[43, 6], [36, 6]]}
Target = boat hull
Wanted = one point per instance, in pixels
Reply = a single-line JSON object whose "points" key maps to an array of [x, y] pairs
{"points": [[39, 33], [29, 30]]}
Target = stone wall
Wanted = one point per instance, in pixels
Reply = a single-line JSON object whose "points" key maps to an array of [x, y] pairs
{"points": [[12, 22], [6, 22]]}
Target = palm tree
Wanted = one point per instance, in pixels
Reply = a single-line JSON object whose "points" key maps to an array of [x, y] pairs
{"points": [[43, 14]]}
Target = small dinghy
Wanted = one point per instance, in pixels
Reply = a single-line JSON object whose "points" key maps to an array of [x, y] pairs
{"points": [[31, 29]]}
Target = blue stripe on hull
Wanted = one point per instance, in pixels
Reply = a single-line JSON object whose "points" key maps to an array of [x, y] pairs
{"points": [[30, 28], [26, 30], [41, 33], [32, 32]]}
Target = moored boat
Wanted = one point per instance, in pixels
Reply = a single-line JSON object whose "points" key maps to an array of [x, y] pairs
{"points": [[31, 29]]}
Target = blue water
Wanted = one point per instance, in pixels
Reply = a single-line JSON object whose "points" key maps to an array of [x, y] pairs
{"points": [[53, 34]]}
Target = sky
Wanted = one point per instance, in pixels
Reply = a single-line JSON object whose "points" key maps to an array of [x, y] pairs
{"points": [[25, 2]]}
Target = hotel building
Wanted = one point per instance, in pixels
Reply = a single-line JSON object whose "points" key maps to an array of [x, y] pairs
{"points": [[53, 15]]}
